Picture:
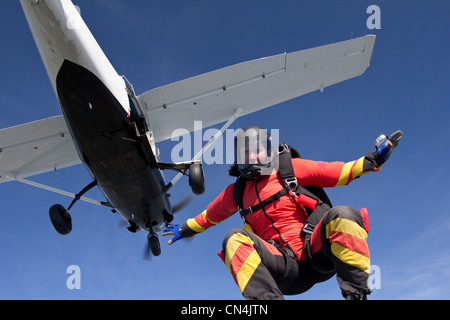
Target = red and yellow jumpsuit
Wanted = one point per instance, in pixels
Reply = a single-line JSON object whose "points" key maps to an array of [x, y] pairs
{"points": [[269, 261]]}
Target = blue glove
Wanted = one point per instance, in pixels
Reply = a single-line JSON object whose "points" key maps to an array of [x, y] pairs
{"points": [[174, 230], [385, 145]]}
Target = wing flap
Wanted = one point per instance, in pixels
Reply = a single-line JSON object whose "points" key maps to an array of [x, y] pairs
{"points": [[253, 85], [36, 147]]}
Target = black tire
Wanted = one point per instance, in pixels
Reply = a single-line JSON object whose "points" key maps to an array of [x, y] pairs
{"points": [[61, 219], [196, 178], [154, 244]]}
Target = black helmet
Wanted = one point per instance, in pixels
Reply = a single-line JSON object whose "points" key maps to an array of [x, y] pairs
{"points": [[253, 152]]}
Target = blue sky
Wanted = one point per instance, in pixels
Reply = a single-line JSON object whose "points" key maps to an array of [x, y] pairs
{"points": [[157, 42]]}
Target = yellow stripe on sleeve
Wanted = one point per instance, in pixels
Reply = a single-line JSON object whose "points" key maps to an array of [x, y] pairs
{"points": [[209, 220], [345, 173], [195, 226], [358, 168]]}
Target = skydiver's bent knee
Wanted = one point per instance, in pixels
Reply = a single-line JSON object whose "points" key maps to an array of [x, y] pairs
{"points": [[232, 235], [349, 214], [254, 264]]}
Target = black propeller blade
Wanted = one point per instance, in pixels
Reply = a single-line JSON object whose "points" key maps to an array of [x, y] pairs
{"points": [[152, 247], [147, 252], [180, 205]]}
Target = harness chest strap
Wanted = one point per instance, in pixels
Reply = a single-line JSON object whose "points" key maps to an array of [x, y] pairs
{"points": [[301, 198], [263, 203], [304, 197], [315, 208]]}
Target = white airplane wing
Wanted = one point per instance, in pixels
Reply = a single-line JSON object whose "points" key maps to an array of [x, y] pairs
{"points": [[36, 147], [213, 97]]}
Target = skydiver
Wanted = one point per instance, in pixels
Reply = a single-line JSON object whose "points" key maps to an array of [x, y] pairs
{"points": [[277, 253]]}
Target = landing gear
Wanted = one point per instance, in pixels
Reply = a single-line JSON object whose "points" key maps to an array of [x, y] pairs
{"points": [[154, 244], [196, 178], [196, 175], [61, 219]]}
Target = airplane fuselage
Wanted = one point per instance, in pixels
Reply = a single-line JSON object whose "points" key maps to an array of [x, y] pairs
{"points": [[109, 148], [98, 112]]}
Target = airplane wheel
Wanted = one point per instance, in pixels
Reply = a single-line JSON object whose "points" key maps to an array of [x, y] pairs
{"points": [[153, 241], [61, 219], [196, 178]]}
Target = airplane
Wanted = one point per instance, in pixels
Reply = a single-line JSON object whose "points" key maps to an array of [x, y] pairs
{"points": [[114, 132]]}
